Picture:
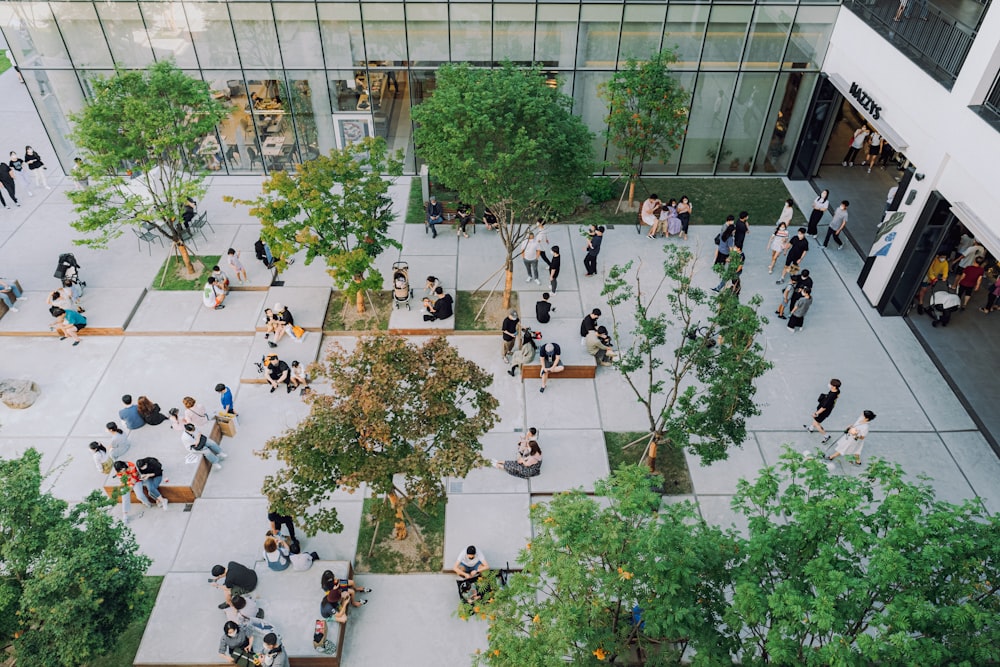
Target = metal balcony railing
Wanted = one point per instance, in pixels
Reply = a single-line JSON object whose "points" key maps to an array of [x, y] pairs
{"points": [[937, 43]]}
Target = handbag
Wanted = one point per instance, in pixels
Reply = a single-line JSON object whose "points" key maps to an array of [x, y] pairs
{"points": [[200, 445]]}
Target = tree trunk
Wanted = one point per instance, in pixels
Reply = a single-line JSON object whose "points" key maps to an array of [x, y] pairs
{"points": [[651, 452], [399, 531], [359, 298], [508, 284], [631, 193], [186, 258]]}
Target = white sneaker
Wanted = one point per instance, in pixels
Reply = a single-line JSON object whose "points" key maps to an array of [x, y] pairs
{"points": [[528, 279], [217, 466], [844, 164], [13, 309], [223, 456], [536, 282], [163, 502], [22, 298]]}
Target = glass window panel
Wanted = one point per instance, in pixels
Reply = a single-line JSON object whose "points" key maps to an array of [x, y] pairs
{"points": [[590, 107], [471, 33], [746, 119], [168, 33], [810, 37], [598, 39], [126, 33], [685, 32], [343, 43], [726, 33], [82, 31], [641, 31], [32, 35], [768, 35], [687, 81], [344, 91], [254, 27], [788, 111], [213, 34], [56, 94], [513, 33], [427, 34], [385, 38], [298, 31], [555, 35], [709, 108], [309, 100], [272, 120]]}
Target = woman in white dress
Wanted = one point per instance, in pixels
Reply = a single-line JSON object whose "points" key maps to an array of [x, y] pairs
{"points": [[779, 237], [853, 440]]}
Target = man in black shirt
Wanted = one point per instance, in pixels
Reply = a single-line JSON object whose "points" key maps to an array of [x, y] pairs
{"points": [[435, 215], [589, 322], [543, 309], [554, 265], [508, 331], [742, 229], [237, 579], [593, 249], [151, 475], [797, 248], [551, 358], [441, 309], [278, 372]]}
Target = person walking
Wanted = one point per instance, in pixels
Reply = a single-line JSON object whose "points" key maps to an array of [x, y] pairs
{"points": [[824, 406], [857, 143], [797, 316], [17, 164], [596, 237], [837, 225], [874, 149], [853, 440], [779, 237], [554, 263], [36, 167], [820, 206], [530, 251], [725, 240], [970, 280], [742, 229], [7, 180], [796, 250]]}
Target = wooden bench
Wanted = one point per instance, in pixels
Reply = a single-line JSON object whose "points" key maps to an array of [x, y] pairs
{"points": [[570, 371], [10, 295], [450, 212], [179, 493]]}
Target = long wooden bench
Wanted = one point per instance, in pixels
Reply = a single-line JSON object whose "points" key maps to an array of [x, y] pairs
{"points": [[570, 371], [178, 493], [450, 213]]}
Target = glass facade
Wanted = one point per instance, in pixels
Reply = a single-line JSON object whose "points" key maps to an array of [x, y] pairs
{"points": [[304, 77]]}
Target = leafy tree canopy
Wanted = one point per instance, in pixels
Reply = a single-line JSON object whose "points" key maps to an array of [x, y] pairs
{"points": [[69, 576], [399, 419]]}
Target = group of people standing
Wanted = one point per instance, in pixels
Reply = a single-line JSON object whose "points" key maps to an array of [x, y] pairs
{"points": [[18, 169], [877, 149]]}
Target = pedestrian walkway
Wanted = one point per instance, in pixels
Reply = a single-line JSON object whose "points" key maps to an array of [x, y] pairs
{"points": [[920, 423]]}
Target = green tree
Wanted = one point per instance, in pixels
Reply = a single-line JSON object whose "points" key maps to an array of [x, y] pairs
{"points": [[336, 207], [861, 570], [504, 140], [69, 576], [590, 567], [138, 136], [396, 413], [699, 396], [647, 114]]}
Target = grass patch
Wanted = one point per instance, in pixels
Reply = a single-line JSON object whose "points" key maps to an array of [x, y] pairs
{"points": [[468, 304], [342, 313], [127, 646], [391, 556], [5, 63], [415, 207], [670, 462], [176, 279]]}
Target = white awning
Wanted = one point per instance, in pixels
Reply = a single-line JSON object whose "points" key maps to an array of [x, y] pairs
{"points": [[988, 237], [890, 135]]}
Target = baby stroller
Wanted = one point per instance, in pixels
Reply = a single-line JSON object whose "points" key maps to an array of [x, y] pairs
{"points": [[69, 270], [943, 304], [401, 290]]}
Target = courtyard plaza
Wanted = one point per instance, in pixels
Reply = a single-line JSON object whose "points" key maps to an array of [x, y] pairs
{"points": [[167, 345]]}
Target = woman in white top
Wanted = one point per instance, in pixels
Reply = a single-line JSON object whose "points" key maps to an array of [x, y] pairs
{"points": [[777, 243], [102, 458], [820, 206], [874, 149], [853, 440]]}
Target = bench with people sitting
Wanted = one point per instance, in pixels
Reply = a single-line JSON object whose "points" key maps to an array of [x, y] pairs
{"points": [[573, 357], [460, 215]]}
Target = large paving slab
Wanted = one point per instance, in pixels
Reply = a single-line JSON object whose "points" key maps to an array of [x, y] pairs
{"points": [[920, 454], [500, 446], [239, 314], [497, 523], [420, 609], [720, 477], [571, 459], [166, 312], [979, 464], [566, 403], [220, 531], [412, 320], [717, 511], [307, 305], [416, 242], [106, 308]]}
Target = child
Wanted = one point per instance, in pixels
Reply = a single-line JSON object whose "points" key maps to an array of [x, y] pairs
{"points": [[233, 257], [299, 378], [221, 279]]}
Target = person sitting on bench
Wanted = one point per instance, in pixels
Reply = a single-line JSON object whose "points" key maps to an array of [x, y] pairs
{"points": [[551, 358]]}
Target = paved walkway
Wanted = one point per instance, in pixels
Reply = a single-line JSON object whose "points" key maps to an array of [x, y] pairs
{"points": [[920, 423]]}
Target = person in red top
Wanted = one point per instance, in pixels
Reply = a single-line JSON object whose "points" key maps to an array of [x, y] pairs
{"points": [[128, 475], [970, 280]]}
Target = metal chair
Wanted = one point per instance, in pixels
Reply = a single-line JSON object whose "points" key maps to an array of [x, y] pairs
{"points": [[199, 223], [148, 237]]}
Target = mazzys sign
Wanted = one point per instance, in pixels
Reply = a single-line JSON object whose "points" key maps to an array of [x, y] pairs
{"points": [[866, 102]]}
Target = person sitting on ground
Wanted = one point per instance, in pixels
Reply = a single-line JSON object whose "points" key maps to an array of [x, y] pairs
{"points": [[551, 358], [543, 309], [67, 324], [298, 377], [236, 644], [340, 593], [195, 413], [283, 320], [11, 287], [431, 285], [243, 610], [588, 324], [278, 372], [276, 553], [301, 561], [525, 353], [150, 412], [271, 324], [599, 346], [470, 563], [130, 414], [221, 278], [529, 457], [237, 579], [441, 308], [213, 295], [273, 654]]}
